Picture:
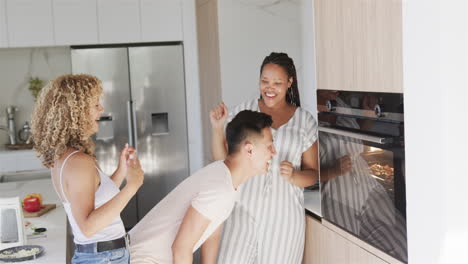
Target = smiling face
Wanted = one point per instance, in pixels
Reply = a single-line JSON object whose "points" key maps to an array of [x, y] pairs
{"points": [[262, 151], [274, 83], [96, 110]]}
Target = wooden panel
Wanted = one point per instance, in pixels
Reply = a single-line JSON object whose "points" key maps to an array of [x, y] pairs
{"points": [[29, 23], [313, 236], [329, 44], [75, 22], [359, 45], [357, 255], [361, 244], [327, 244], [335, 247], [209, 63]]}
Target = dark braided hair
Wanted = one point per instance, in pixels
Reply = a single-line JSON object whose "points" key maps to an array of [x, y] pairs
{"points": [[283, 60]]}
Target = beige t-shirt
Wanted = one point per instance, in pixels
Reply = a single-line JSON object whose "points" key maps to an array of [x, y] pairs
{"points": [[210, 191]]}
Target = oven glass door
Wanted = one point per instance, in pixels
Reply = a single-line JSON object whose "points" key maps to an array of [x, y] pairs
{"points": [[363, 187]]}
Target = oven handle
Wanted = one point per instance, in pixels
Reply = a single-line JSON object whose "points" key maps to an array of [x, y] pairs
{"points": [[374, 139]]}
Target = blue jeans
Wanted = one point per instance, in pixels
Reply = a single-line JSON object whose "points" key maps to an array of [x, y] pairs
{"points": [[115, 256]]}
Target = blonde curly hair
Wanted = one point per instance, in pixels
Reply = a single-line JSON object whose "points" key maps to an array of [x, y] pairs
{"points": [[61, 117]]}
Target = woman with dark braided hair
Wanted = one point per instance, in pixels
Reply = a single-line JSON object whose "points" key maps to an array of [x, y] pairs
{"points": [[267, 224]]}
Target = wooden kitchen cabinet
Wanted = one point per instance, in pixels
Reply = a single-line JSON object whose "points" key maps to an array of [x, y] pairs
{"points": [[119, 21], [324, 245], [75, 22], [3, 29], [29, 23], [161, 20], [359, 45]]}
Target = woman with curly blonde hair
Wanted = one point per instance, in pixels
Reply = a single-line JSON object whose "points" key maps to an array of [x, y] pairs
{"points": [[65, 117]]}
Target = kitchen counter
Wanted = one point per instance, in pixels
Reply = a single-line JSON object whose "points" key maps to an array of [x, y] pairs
{"points": [[55, 244], [312, 202]]}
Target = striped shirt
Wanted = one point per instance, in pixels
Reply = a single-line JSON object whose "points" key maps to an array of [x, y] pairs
{"points": [[267, 224]]}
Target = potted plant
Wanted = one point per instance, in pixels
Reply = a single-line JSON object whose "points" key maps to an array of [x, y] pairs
{"points": [[35, 86]]}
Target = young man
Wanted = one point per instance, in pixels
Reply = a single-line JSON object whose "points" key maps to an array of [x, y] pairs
{"points": [[192, 214]]}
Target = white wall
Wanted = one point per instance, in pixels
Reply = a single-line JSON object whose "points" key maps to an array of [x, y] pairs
{"points": [[16, 67], [435, 57], [192, 85], [307, 78], [249, 31]]}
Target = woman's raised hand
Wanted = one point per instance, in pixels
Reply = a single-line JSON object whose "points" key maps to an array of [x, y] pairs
{"points": [[135, 175], [218, 115], [130, 166]]}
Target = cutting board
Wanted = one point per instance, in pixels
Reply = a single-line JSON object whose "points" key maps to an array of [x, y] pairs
{"points": [[47, 208]]}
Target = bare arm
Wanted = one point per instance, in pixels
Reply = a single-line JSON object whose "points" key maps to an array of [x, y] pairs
{"points": [[218, 144], [342, 166], [308, 175], [192, 228], [218, 117], [81, 185], [209, 249]]}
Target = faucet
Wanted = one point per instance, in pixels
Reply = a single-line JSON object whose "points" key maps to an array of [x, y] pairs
{"points": [[11, 129], [7, 129]]}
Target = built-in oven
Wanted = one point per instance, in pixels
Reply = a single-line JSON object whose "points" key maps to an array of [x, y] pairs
{"points": [[362, 166]]}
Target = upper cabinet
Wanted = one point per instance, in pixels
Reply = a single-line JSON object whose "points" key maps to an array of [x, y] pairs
{"points": [[75, 22], [359, 45], [161, 20], [29, 23], [119, 21], [3, 29]]}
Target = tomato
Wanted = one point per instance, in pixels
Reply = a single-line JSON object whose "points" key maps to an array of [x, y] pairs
{"points": [[32, 204]]}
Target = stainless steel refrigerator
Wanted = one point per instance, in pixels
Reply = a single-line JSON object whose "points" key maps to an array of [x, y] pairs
{"points": [[144, 105]]}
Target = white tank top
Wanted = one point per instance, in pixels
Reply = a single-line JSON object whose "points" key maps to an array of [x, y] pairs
{"points": [[105, 192]]}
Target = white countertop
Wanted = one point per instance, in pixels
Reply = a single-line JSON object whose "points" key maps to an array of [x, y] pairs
{"points": [[312, 202], [55, 244]]}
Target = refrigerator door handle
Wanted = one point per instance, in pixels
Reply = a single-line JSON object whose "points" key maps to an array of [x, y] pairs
{"points": [[130, 129], [135, 131]]}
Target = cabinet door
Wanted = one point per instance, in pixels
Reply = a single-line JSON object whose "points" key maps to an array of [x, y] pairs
{"points": [[313, 236], [358, 255], [3, 30], [329, 43], [119, 21], [29, 23], [323, 246], [359, 45], [161, 20], [75, 22]]}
